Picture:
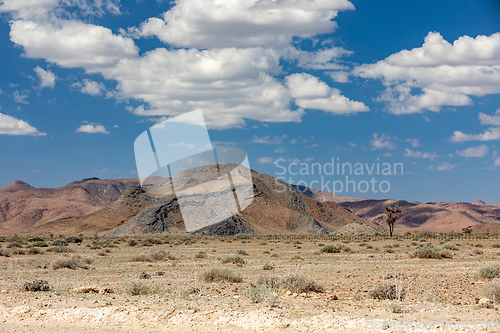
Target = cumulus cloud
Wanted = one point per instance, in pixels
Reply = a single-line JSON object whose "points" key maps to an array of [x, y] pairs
{"points": [[72, 44], [382, 142], [438, 73], [493, 120], [419, 154], [13, 126], [227, 84], [92, 128], [228, 64], [492, 133], [311, 93], [252, 23], [47, 78], [477, 151], [89, 87], [497, 162]]}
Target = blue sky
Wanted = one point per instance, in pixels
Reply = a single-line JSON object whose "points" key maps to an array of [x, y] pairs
{"points": [[292, 82]]}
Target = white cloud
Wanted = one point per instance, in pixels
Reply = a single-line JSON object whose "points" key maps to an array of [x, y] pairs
{"points": [[42, 9], [445, 166], [490, 120], [497, 162], [382, 142], [438, 73], [276, 140], [492, 133], [339, 76], [280, 150], [20, 97], [72, 43], [477, 151], [265, 160], [414, 142], [227, 84], [311, 93], [92, 128], [89, 87], [47, 78], [13, 126], [249, 23], [419, 154], [235, 78]]}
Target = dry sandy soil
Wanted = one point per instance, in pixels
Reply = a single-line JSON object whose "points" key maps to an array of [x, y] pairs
{"points": [[439, 292]]}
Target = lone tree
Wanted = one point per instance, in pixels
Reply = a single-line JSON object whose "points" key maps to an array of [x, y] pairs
{"points": [[391, 216]]}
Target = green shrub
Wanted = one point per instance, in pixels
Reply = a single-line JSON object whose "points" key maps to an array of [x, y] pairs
{"points": [[58, 242], [33, 250], [330, 249]]}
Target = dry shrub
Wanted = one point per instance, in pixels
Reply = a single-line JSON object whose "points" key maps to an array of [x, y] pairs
{"points": [[72, 263], [137, 288], [233, 260], [200, 255], [62, 249], [299, 284], [428, 251], [489, 272], [217, 274], [492, 290], [158, 255], [388, 290], [36, 285], [4, 253]]}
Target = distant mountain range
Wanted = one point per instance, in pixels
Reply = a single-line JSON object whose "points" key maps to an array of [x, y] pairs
{"points": [[120, 206], [431, 216]]}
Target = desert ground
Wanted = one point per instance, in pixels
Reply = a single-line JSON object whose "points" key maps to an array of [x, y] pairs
{"points": [[176, 283]]}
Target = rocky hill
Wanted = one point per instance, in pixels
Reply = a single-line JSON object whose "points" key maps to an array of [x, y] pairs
{"points": [[277, 208], [23, 207]]}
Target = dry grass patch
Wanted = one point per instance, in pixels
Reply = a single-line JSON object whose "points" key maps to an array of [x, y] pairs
{"points": [[489, 272], [218, 274], [72, 263], [388, 290]]}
